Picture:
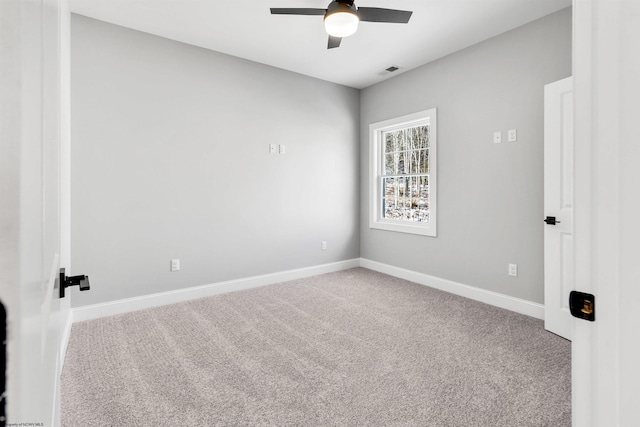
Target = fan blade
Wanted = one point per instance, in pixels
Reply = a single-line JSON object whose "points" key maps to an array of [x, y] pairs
{"points": [[297, 11], [334, 42], [376, 14]]}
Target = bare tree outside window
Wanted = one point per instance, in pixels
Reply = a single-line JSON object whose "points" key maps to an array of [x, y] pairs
{"points": [[405, 178]]}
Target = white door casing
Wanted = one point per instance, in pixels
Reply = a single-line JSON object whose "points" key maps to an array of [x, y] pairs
{"points": [[558, 202]]}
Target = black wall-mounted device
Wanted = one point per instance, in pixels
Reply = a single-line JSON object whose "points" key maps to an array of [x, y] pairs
{"points": [[81, 281]]}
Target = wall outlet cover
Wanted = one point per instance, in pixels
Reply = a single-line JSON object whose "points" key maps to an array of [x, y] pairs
{"points": [[497, 137]]}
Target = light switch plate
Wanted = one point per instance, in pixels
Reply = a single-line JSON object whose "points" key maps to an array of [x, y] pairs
{"points": [[497, 137]]}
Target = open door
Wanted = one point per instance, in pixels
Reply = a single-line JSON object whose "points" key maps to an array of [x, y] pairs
{"points": [[34, 83], [605, 353], [558, 207]]}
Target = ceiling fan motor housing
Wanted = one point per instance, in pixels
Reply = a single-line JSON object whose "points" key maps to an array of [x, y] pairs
{"points": [[341, 6], [341, 19]]}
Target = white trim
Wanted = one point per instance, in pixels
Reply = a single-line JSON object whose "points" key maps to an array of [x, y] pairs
{"points": [[164, 298], [64, 339], [96, 311], [65, 334], [488, 297]]}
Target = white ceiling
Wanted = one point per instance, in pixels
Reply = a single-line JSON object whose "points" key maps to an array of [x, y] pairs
{"points": [[245, 28]]}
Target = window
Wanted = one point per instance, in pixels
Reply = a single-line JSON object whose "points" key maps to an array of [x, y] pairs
{"points": [[403, 168]]}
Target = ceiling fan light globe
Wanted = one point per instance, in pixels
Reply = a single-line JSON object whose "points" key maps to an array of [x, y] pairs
{"points": [[341, 24]]}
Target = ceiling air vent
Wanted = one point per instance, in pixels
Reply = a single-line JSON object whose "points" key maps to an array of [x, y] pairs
{"points": [[389, 70]]}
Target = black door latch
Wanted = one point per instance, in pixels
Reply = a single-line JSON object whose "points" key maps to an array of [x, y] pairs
{"points": [[582, 306], [81, 281]]}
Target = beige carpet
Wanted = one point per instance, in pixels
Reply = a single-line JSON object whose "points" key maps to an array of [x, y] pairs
{"points": [[344, 349]]}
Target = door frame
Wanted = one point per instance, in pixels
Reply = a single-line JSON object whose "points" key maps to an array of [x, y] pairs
{"points": [[65, 183]]}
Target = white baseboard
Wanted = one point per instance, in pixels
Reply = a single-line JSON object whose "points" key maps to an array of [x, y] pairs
{"points": [[155, 300], [95, 311], [488, 297]]}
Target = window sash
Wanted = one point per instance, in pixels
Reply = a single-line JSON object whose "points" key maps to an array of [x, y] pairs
{"points": [[411, 206], [421, 162]]}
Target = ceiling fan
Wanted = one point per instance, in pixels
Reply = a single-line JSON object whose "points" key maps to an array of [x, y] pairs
{"points": [[341, 17]]}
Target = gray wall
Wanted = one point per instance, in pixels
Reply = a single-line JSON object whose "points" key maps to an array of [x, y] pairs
{"points": [[170, 160], [490, 196]]}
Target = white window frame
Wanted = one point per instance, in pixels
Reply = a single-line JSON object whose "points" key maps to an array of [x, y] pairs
{"points": [[376, 160]]}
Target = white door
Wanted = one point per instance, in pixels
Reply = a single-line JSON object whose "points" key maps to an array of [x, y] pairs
{"points": [[34, 83], [558, 203], [605, 353]]}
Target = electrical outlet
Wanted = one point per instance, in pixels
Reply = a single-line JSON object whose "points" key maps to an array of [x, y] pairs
{"points": [[512, 135], [175, 265], [324, 245], [281, 147], [513, 270], [497, 137]]}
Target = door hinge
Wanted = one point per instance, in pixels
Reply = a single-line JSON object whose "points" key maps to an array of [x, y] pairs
{"points": [[582, 305]]}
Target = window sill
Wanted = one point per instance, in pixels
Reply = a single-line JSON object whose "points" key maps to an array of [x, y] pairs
{"points": [[423, 230]]}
